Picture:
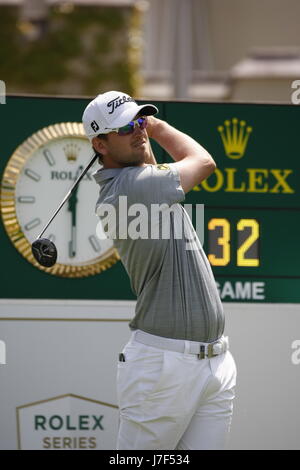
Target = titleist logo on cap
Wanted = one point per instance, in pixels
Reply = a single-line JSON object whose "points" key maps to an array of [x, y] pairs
{"points": [[116, 102]]}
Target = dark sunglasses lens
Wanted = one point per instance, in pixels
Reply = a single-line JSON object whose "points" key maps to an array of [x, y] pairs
{"points": [[125, 130], [129, 128], [142, 122]]}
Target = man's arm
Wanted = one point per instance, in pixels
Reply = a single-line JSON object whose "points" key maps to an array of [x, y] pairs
{"points": [[151, 160], [193, 162]]}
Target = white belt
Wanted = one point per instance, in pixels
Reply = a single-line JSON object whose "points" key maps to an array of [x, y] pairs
{"points": [[202, 350]]}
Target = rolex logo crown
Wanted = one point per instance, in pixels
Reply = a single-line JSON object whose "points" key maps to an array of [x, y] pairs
{"points": [[235, 137], [71, 152]]}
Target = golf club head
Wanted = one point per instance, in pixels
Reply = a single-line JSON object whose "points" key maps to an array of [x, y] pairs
{"points": [[44, 251]]}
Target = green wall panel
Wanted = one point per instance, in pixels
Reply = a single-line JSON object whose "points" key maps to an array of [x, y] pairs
{"points": [[260, 185]]}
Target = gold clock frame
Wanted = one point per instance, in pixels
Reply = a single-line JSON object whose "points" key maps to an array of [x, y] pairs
{"points": [[8, 202]]}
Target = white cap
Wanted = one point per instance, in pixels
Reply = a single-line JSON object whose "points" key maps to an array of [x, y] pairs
{"points": [[112, 110]]}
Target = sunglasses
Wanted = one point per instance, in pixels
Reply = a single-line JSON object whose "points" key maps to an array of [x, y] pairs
{"points": [[129, 128]]}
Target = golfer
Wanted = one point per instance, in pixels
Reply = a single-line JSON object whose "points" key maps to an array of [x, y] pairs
{"points": [[176, 377]]}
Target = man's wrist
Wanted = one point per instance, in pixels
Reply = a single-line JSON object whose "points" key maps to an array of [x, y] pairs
{"points": [[154, 128]]}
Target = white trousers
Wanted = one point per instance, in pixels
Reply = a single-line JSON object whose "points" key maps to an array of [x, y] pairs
{"points": [[171, 400]]}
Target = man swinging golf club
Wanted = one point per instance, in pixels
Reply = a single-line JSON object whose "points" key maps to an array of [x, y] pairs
{"points": [[176, 376]]}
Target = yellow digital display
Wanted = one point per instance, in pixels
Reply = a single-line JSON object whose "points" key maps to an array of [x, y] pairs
{"points": [[221, 250]]}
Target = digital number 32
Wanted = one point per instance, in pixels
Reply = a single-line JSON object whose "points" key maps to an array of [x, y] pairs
{"points": [[224, 242]]}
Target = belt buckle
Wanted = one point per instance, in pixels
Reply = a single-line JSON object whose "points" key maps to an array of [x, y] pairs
{"points": [[210, 349]]}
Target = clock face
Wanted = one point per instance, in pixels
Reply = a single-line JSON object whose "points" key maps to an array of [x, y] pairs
{"points": [[46, 169]]}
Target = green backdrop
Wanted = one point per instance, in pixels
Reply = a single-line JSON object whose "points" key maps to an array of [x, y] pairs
{"points": [[260, 185]]}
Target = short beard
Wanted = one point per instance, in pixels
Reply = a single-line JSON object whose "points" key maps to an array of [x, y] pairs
{"points": [[142, 159]]}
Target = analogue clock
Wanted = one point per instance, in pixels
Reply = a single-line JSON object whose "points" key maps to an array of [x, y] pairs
{"points": [[35, 180]]}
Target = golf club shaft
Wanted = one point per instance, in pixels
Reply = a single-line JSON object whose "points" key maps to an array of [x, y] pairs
{"points": [[69, 194]]}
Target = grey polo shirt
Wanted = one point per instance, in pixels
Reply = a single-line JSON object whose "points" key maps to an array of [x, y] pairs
{"points": [[176, 292]]}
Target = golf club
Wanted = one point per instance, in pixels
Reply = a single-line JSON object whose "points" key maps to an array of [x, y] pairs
{"points": [[44, 250]]}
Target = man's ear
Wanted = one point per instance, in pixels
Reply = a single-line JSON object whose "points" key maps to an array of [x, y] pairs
{"points": [[99, 145]]}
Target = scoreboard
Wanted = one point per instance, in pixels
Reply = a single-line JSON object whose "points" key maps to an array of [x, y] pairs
{"points": [[251, 201]]}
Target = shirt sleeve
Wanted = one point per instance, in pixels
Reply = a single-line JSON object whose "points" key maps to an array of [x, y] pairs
{"points": [[154, 184]]}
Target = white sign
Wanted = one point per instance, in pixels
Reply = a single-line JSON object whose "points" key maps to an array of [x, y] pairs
{"points": [[67, 422], [62, 356]]}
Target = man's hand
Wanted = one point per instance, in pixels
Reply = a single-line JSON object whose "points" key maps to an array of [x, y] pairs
{"points": [[151, 124]]}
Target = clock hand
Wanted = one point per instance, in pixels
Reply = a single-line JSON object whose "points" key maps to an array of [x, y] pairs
{"points": [[73, 199], [72, 203], [72, 242]]}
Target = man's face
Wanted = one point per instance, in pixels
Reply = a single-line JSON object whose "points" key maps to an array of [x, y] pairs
{"points": [[127, 150]]}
